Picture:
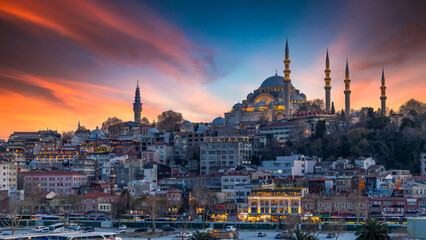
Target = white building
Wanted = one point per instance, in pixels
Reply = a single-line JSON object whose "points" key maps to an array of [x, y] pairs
{"points": [[224, 152], [294, 165], [164, 150], [364, 163], [8, 176], [230, 182]]}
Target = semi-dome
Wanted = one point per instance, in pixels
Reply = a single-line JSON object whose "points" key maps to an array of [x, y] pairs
{"points": [[296, 97], [271, 104], [281, 94], [237, 106], [97, 134], [152, 131], [202, 128], [219, 121], [282, 103], [303, 95], [187, 123], [250, 96], [250, 105], [260, 104]]}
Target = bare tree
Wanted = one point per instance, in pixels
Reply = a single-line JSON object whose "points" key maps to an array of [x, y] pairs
{"points": [[169, 120], [12, 220], [153, 206], [109, 122], [300, 131]]}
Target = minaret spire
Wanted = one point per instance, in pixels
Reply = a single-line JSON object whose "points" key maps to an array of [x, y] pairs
{"points": [[137, 105], [287, 80], [383, 95], [347, 91], [327, 86]]}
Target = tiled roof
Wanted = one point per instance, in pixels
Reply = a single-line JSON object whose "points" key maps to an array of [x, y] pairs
{"points": [[44, 173], [97, 195], [321, 179]]}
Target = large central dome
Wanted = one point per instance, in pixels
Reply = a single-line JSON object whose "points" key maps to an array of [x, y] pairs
{"points": [[274, 81]]}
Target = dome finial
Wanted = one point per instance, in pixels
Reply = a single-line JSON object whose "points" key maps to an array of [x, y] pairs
{"points": [[276, 72]]}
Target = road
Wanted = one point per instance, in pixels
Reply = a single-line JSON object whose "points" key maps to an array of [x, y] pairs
{"points": [[244, 235]]}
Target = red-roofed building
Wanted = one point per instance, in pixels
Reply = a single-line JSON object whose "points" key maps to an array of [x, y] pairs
{"points": [[97, 202]]}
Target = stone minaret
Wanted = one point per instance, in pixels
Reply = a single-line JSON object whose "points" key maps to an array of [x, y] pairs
{"points": [[347, 91], [137, 105], [287, 81], [327, 86], [383, 95]]}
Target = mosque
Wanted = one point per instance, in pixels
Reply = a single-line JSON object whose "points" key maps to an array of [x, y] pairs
{"points": [[277, 99], [274, 100]]}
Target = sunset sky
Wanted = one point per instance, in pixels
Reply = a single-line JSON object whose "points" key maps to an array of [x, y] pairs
{"points": [[65, 61]]}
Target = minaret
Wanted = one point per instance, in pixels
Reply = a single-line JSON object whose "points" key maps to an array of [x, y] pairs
{"points": [[347, 91], [383, 96], [137, 105], [287, 80], [327, 86]]}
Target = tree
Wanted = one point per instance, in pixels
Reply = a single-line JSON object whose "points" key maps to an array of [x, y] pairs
{"points": [[413, 107], [71, 204], [153, 207], [320, 129], [109, 122], [67, 135], [316, 105], [301, 235], [333, 110], [373, 229], [11, 220], [201, 236], [299, 132], [145, 121], [169, 120]]}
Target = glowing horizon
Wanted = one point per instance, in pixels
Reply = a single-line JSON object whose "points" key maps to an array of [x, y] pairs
{"points": [[65, 62]]}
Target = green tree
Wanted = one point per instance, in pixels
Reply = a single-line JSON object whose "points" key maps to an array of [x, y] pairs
{"points": [[301, 235], [373, 229], [169, 120], [201, 236], [320, 129]]}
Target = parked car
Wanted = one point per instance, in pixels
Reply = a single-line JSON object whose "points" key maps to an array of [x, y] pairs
{"points": [[331, 235], [282, 236], [261, 234], [142, 229], [38, 228], [118, 231], [122, 227], [75, 227], [88, 229], [231, 229], [165, 226], [45, 230], [169, 229]]}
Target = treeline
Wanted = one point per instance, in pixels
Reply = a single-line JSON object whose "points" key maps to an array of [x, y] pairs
{"points": [[374, 136]]}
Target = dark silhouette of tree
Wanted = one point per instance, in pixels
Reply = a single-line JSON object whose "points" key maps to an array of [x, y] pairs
{"points": [[413, 107], [67, 135], [145, 121], [333, 110], [109, 122], [169, 120], [320, 129]]}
